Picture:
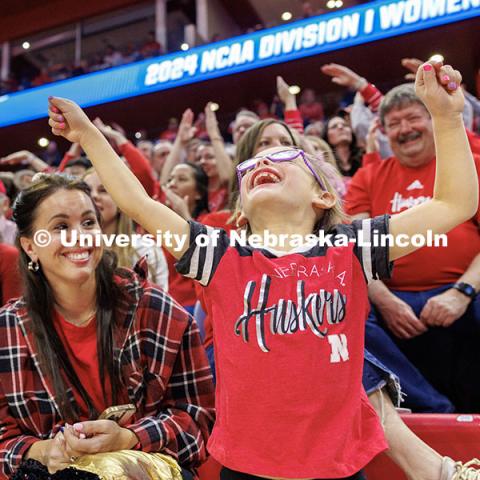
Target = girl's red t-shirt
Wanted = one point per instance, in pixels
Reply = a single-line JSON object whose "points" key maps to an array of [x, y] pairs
{"points": [[288, 340]]}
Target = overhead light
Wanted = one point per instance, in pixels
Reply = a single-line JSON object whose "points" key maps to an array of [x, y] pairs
{"points": [[214, 106], [331, 4], [43, 142], [26, 45], [286, 16], [294, 89], [339, 3], [138, 135], [437, 58], [184, 46]]}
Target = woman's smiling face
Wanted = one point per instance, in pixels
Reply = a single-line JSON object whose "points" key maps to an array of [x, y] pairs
{"points": [[67, 211]]}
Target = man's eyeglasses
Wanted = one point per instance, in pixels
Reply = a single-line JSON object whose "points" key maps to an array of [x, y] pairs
{"points": [[277, 157]]}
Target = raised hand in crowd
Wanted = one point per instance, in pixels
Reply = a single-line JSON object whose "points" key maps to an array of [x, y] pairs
{"points": [[411, 64], [24, 157], [211, 124], [223, 160], [186, 132], [115, 136], [371, 141], [283, 91], [344, 76], [75, 151]]}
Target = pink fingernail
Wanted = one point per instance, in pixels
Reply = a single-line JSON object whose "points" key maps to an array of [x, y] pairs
{"points": [[55, 109], [61, 119], [452, 86], [446, 78], [62, 125], [427, 67], [78, 427]]}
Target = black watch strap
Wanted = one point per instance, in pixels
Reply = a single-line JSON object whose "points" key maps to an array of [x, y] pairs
{"points": [[466, 289]]}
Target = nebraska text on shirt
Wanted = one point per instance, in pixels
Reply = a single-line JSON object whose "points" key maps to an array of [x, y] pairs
{"points": [[316, 311]]}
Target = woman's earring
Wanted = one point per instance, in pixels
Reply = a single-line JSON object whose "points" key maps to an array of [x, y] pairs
{"points": [[33, 266]]}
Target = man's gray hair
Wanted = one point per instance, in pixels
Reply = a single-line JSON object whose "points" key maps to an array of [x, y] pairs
{"points": [[247, 113], [399, 97]]}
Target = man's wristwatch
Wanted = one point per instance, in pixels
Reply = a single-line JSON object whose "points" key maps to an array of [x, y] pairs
{"points": [[466, 289]]}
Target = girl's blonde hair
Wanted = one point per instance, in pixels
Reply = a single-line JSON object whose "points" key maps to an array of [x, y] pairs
{"points": [[126, 255], [324, 147]]}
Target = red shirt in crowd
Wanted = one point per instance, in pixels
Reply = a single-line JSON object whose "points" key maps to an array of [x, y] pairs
{"points": [[388, 187], [10, 285], [217, 199], [289, 339]]}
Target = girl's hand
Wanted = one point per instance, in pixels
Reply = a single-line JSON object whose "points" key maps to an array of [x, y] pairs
{"points": [[68, 120], [101, 436], [439, 89]]}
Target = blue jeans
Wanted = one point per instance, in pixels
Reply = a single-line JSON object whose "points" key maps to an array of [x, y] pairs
{"points": [[447, 360]]}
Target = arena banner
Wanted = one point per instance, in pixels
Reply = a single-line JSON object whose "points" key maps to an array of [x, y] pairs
{"points": [[332, 31]]}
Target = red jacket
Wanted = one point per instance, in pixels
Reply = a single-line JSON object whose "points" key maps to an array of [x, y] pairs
{"points": [[162, 360]]}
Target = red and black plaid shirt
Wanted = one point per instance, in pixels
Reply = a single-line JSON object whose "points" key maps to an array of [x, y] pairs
{"points": [[163, 364]]}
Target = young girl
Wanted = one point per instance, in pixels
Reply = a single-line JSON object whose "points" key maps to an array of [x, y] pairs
{"points": [[292, 319]]}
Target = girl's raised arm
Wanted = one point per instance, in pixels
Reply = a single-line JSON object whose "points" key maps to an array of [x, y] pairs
{"points": [[455, 197], [68, 120]]}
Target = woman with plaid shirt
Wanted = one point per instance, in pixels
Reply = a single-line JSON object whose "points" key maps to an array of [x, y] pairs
{"points": [[85, 337]]}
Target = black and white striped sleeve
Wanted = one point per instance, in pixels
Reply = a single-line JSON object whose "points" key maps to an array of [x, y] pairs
{"points": [[206, 249], [371, 247]]}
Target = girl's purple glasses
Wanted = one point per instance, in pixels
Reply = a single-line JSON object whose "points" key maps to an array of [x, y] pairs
{"points": [[277, 157]]}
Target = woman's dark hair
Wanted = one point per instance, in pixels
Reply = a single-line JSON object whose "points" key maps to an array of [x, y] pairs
{"points": [[356, 153], [40, 302], [201, 184]]}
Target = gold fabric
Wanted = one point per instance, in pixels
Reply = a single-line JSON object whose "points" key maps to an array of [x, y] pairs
{"points": [[129, 465]]}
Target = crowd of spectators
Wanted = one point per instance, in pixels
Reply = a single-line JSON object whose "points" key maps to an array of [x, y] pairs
{"points": [[424, 323], [115, 55], [112, 56]]}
